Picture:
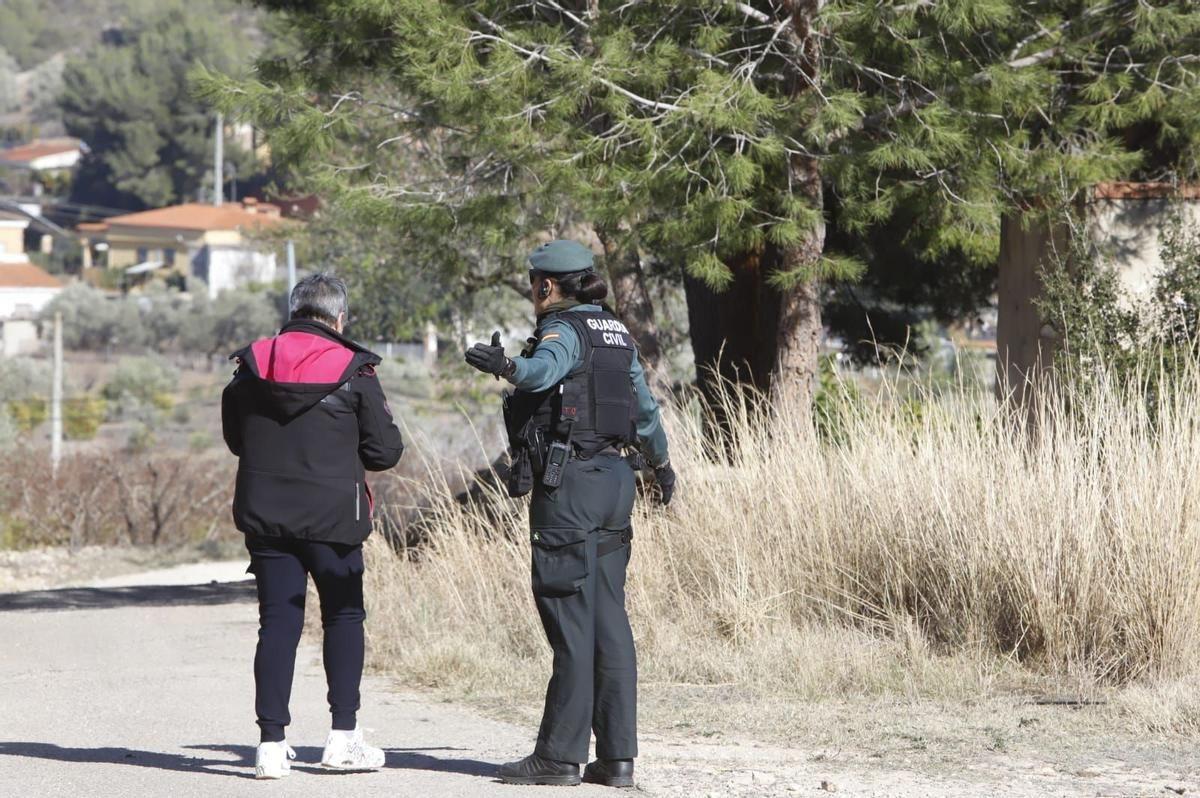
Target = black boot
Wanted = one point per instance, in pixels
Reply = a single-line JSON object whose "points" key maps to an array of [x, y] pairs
{"points": [[534, 769], [610, 772]]}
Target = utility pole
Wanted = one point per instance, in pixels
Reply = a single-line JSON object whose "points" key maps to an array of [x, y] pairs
{"points": [[219, 160], [56, 395], [291, 266]]}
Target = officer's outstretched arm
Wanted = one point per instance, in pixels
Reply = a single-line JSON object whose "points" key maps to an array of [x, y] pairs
{"points": [[554, 357]]}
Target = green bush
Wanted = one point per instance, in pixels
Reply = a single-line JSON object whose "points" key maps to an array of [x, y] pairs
{"points": [[162, 319], [8, 432], [93, 320], [200, 441], [23, 378], [28, 414], [141, 439], [148, 380], [231, 320], [1147, 343], [82, 417]]}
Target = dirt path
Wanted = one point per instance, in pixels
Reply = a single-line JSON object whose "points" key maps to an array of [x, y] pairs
{"points": [[145, 689]]}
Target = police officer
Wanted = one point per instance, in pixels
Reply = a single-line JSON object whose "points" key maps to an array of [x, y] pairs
{"points": [[581, 399]]}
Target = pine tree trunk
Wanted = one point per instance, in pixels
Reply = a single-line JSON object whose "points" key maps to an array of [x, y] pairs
{"points": [[799, 335], [631, 297]]}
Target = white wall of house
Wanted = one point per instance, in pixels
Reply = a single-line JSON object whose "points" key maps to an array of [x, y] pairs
{"points": [[18, 337], [24, 302], [235, 267], [57, 160], [1128, 235]]}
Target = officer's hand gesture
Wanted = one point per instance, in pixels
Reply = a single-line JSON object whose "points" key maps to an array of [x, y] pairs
{"points": [[664, 475], [490, 359]]}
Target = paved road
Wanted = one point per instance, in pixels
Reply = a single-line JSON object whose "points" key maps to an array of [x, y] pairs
{"points": [[147, 691], [142, 687]]}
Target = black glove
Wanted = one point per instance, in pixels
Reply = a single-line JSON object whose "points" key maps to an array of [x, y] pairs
{"points": [[490, 359], [664, 475]]}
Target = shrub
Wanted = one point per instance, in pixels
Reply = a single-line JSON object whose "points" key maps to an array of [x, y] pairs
{"points": [[82, 417], [94, 320], [232, 320], [28, 414], [8, 432], [23, 378], [141, 438], [164, 320], [142, 381], [110, 498], [200, 441], [1104, 330]]}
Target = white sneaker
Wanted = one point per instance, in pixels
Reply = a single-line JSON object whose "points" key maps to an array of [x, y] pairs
{"points": [[273, 760], [345, 750]]}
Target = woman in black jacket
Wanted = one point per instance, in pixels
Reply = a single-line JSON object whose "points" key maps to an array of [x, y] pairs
{"points": [[307, 418]]}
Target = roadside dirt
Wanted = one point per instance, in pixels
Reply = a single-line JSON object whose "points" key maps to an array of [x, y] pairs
{"points": [[45, 568]]}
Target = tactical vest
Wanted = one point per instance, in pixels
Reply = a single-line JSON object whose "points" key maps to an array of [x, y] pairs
{"points": [[593, 407]]}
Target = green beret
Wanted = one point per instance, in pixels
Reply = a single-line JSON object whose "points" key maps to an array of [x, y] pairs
{"points": [[561, 257]]}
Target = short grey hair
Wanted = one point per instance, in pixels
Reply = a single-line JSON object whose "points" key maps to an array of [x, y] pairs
{"points": [[320, 296]]}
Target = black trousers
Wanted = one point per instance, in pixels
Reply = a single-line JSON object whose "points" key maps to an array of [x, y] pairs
{"points": [[581, 538], [281, 567]]}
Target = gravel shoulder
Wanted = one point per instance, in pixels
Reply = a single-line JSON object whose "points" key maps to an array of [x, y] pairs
{"points": [[59, 566], [141, 687]]}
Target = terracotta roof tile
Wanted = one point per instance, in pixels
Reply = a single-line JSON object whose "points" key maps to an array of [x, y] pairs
{"points": [[39, 148], [1127, 190], [26, 275], [197, 216]]}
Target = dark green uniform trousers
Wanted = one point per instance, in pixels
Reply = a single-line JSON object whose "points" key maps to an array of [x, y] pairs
{"points": [[581, 537]]}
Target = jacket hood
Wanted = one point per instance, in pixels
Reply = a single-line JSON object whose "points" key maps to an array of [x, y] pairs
{"points": [[303, 364]]}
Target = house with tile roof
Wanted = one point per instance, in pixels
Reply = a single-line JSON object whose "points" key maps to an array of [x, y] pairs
{"points": [[220, 245], [24, 289], [44, 155]]}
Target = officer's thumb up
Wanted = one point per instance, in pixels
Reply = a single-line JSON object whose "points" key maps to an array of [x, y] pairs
{"points": [[489, 359]]}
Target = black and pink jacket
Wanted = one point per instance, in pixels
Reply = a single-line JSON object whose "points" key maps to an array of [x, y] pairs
{"points": [[307, 418]]}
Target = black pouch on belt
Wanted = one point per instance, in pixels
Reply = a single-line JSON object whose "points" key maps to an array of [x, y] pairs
{"points": [[520, 474]]}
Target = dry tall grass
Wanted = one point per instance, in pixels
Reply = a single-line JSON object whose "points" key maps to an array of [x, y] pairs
{"points": [[936, 548]]}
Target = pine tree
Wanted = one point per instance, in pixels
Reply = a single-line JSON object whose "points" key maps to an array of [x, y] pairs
{"points": [[720, 136], [128, 99]]}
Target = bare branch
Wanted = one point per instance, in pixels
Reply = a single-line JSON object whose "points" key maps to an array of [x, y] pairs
{"points": [[754, 14]]}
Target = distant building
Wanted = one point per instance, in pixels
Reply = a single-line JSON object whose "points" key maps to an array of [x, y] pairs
{"points": [[1124, 224], [44, 155], [24, 289], [212, 243]]}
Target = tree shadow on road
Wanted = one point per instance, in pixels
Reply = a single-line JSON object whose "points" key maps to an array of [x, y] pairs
{"points": [[239, 759], [134, 758], [99, 598]]}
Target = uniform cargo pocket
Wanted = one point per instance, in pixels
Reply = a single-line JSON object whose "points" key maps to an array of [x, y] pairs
{"points": [[559, 561]]}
